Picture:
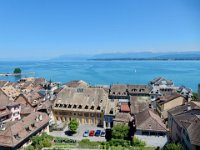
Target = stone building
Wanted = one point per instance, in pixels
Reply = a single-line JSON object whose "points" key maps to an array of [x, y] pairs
{"points": [[87, 105]]}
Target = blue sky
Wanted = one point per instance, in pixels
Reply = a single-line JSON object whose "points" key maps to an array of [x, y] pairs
{"points": [[49, 28]]}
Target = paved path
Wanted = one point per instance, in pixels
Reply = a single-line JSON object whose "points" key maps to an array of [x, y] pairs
{"points": [[79, 135]]}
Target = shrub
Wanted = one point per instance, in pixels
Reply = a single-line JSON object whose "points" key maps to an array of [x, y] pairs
{"points": [[138, 143], [173, 146], [120, 131]]}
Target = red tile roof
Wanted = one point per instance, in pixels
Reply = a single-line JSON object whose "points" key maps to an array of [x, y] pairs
{"points": [[125, 107]]}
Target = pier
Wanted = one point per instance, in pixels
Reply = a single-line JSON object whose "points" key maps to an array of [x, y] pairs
{"points": [[15, 74]]}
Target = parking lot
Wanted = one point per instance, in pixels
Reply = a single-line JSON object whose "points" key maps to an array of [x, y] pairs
{"points": [[79, 134]]}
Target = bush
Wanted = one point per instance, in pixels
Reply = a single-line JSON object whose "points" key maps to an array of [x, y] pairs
{"points": [[120, 131], [119, 142], [60, 140], [173, 146], [38, 142], [138, 143], [86, 143]]}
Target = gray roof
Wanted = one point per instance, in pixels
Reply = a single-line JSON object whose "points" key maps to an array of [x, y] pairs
{"points": [[138, 89], [118, 90], [83, 99], [148, 120], [139, 104], [190, 121], [161, 80]]}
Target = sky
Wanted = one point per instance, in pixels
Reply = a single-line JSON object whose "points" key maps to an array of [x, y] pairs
{"points": [[36, 29]]}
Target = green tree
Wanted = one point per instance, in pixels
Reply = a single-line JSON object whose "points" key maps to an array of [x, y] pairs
{"points": [[120, 131], [73, 125], [38, 142], [194, 96], [17, 70], [30, 147], [173, 146]]}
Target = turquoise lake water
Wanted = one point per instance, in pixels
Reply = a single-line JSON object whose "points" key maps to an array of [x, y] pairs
{"points": [[107, 72]]}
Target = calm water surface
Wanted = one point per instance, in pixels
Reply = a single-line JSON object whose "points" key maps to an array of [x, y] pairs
{"points": [[107, 72]]}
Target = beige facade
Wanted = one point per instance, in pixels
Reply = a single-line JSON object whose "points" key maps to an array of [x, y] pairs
{"points": [[82, 117], [162, 108]]}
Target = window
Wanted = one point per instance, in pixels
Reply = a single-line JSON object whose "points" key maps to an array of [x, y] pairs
{"points": [[92, 107], [17, 137], [79, 107], [98, 108], [86, 107]]}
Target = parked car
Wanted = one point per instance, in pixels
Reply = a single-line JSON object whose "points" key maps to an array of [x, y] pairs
{"points": [[86, 133], [103, 133], [92, 133], [98, 133]]}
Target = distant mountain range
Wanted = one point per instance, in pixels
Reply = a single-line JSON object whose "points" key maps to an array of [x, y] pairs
{"points": [[193, 55]]}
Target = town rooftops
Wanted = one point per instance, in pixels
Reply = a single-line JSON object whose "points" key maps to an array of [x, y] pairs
{"points": [[139, 104], [138, 89], [77, 83], [164, 99], [148, 120], [190, 121], [125, 107], [184, 108], [161, 81], [118, 90], [122, 117], [82, 99], [16, 132], [10, 91], [2, 83]]}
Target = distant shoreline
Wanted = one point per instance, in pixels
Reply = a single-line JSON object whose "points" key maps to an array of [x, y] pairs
{"points": [[144, 59]]}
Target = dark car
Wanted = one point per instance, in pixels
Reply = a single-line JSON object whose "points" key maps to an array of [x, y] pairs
{"points": [[92, 132], [98, 133]]}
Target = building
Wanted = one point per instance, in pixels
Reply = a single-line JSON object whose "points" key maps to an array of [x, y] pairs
{"points": [[150, 128], [110, 111], [17, 135], [87, 105], [118, 91], [138, 90], [10, 91], [32, 98], [161, 87], [122, 118], [139, 104], [165, 103], [184, 125], [9, 110], [185, 92], [161, 81]]}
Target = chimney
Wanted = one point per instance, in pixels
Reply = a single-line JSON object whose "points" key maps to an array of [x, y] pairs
{"points": [[188, 107], [40, 117]]}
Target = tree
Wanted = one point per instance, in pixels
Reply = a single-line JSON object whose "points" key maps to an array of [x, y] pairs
{"points": [[173, 146], [73, 125], [120, 131], [38, 142], [17, 70], [194, 96]]}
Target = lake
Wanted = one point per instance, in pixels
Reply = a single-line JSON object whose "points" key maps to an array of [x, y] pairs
{"points": [[108, 72]]}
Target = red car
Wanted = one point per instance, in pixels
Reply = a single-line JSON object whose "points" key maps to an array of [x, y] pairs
{"points": [[92, 133]]}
